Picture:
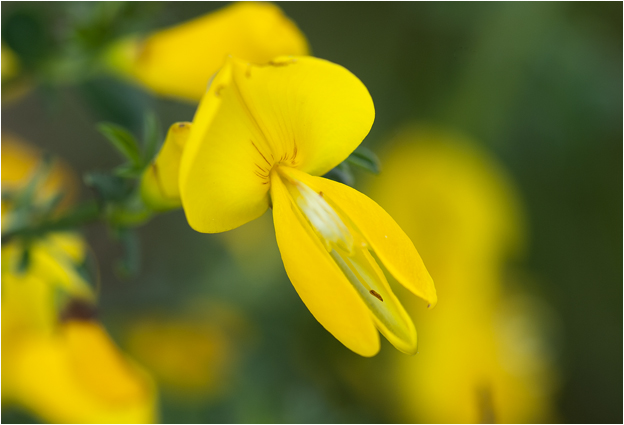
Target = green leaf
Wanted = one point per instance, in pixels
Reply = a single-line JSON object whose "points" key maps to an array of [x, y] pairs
{"points": [[109, 188], [123, 141], [342, 174], [128, 171], [365, 158]]}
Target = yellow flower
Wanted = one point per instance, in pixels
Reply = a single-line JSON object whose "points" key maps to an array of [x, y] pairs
{"points": [[61, 369], [260, 135], [486, 352], [179, 61]]}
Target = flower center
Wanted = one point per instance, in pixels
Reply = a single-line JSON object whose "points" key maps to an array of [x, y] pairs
{"points": [[322, 217]]}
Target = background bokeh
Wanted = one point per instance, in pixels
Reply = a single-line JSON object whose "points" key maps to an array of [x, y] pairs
{"points": [[534, 87]]}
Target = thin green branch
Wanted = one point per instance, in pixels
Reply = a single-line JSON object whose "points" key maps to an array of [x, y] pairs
{"points": [[85, 213]]}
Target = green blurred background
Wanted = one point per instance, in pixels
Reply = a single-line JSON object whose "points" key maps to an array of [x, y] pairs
{"points": [[537, 85]]}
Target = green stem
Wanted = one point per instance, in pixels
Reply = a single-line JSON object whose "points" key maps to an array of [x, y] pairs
{"points": [[80, 215]]}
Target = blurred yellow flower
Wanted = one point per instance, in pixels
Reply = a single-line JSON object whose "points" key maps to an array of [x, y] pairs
{"points": [[258, 137], [485, 358], [14, 83], [180, 61], [62, 369], [193, 355]]}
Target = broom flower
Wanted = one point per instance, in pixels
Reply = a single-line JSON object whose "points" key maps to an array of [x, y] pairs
{"points": [[260, 137]]}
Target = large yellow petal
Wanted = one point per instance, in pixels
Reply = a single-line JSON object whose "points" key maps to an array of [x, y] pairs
{"points": [[395, 250], [313, 113], [179, 61], [223, 177], [318, 280], [302, 112]]}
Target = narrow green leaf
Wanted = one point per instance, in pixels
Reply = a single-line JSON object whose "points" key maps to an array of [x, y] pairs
{"points": [[78, 216], [109, 188], [128, 171], [342, 174], [365, 158], [123, 141]]}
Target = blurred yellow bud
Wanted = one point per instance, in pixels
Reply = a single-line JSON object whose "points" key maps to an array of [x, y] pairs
{"points": [[14, 83], [10, 63], [159, 185], [19, 161], [53, 258], [179, 61], [186, 357], [193, 356]]}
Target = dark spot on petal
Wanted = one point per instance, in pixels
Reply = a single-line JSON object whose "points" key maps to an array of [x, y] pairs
{"points": [[376, 295]]}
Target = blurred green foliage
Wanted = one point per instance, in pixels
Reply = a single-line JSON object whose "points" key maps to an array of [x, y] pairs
{"points": [[538, 84]]}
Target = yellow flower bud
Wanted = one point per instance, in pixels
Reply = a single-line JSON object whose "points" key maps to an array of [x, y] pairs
{"points": [[159, 185]]}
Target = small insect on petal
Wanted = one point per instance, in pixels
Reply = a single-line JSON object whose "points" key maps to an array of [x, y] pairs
{"points": [[376, 295]]}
